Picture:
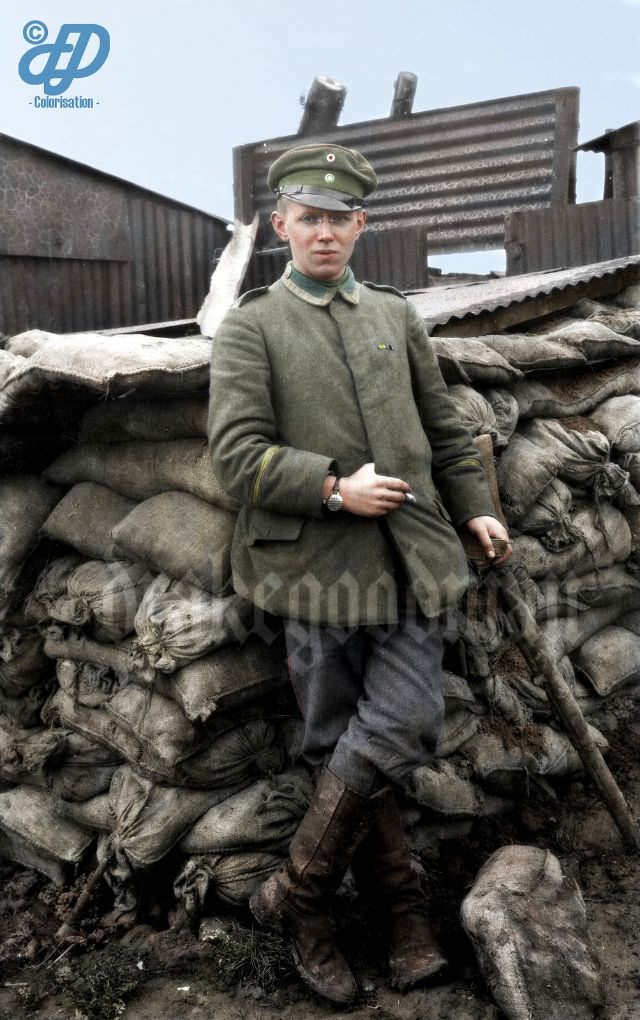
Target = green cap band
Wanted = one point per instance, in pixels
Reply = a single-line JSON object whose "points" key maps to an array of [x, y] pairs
{"points": [[335, 180]]}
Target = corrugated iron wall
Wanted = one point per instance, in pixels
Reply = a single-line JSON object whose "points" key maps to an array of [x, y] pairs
{"points": [[80, 250], [573, 235], [455, 173], [395, 257]]}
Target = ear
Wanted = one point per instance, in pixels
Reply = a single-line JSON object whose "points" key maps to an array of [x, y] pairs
{"points": [[278, 223], [361, 221]]}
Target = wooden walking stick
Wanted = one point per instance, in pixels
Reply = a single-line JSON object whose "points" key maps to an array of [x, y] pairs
{"points": [[531, 639], [66, 928]]}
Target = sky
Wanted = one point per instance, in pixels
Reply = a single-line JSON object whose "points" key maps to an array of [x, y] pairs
{"points": [[187, 80]]}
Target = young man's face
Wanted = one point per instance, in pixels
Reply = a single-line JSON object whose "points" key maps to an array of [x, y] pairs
{"points": [[321, 240]]}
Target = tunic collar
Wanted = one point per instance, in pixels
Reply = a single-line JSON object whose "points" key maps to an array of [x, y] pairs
{"points": [[317, 293]]}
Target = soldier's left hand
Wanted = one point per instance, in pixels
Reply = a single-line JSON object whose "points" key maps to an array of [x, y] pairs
{"points": [[486, 528]]}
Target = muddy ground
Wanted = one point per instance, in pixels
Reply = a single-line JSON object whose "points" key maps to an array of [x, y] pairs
{"points": [[157, 972]]}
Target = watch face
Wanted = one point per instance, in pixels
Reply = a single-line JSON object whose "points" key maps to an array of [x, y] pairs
{"points": [[334, 502]]}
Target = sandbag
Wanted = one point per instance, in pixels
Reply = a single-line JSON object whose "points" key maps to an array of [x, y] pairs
{"points": [[182, 536], [619, 419], [58, 760], [233, 757], [25, 502], [27, 754], [474, 411], [596, 341], [118, 421], [226, 679], [26, 708], [625, 321], [580, 458], [565, 596], [232, 878], [23, 345], [151, 732], [511, 768], [148, 819], [531, 694], [50, 584], [632, 517], [504, 700], [264, 815], [10, 361], [609, 659], [628, 298], [458, 696], [85, 517], [140, 470], [573, 393], [148, 730], [34, 834], [446, 791], [93, 814], [631, 621], [111, 365], [549, 517], [23, 662], [605, 539], [456, 729], [506, 411], [84, 771], [104, 596], [523, 472], [630, 462], [87, 683], [565, 634], [177, 622], [512, 671], [117, 659], [528, 925], [545, 353], [480, 364]]}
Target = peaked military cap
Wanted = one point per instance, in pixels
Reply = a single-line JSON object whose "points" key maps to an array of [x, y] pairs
{"points": [[324, 176]]}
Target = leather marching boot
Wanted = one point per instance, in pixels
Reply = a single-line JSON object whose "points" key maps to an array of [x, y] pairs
{"points": [[385, 860], [294, 900]]}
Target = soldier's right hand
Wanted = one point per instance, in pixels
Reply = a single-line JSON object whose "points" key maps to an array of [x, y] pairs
{"points": [[369, 494]]}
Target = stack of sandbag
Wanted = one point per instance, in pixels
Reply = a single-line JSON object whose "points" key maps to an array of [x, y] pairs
{"points": [[562, 405], [141, 679]]}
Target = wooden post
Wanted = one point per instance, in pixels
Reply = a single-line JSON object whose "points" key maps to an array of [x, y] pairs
{"points": [[530, 636], [404, 91], [322, 107]]}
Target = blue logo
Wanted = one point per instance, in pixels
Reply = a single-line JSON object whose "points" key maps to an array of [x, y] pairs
{"points": [[59, 63]]}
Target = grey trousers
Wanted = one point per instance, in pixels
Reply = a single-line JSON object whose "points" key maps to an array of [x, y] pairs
{"points": [[371, 697]]}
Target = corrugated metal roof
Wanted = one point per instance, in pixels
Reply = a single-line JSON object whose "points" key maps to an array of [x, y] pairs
{"points": [[474, 309], [75, 163], [82, 250], [454, 172]]}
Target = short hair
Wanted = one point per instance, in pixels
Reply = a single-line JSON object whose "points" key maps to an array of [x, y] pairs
{"points": [[282, 205]]}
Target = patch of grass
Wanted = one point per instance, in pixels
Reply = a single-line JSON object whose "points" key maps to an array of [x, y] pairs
{"points": [[101, 982], [246, 956]]}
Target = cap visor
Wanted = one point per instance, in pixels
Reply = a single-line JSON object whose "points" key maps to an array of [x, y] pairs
{"points": [[323, 200]]}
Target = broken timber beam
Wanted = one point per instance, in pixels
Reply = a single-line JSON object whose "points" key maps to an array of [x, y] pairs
{"points": [[322, 107], [404, 91]]}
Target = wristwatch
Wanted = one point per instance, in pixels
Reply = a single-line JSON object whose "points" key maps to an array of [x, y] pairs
{"points": [[334, 501]]}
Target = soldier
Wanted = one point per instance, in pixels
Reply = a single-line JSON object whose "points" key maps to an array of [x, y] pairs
{"points": [[331, 423]]}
